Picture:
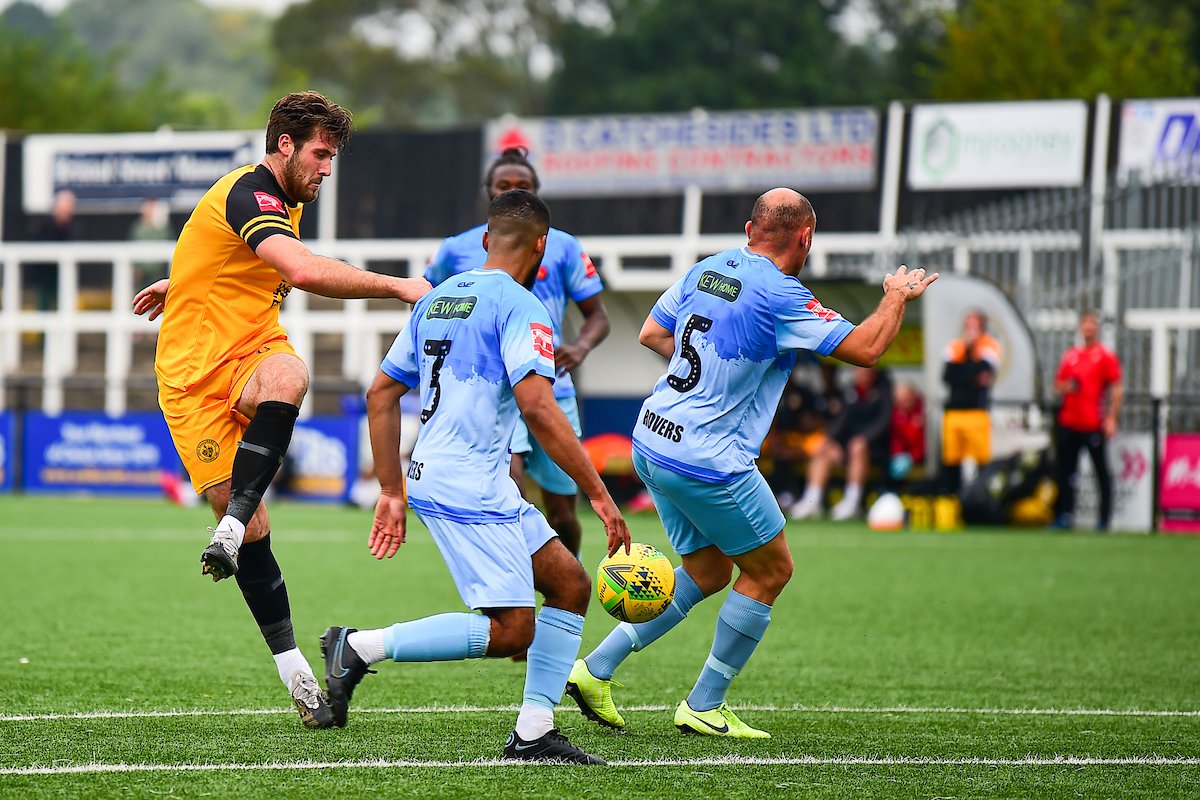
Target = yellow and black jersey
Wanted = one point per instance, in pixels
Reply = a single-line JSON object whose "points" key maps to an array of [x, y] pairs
{"points": [[223, 301]]}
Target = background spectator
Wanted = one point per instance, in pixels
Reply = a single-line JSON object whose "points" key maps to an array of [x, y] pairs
{"points": [[153, 225], [908, 431], [1086, 373], [797, 432], [42, 277], [858, 436], [969, 372]]}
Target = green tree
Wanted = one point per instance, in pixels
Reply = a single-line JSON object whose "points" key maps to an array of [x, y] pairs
{"points": [[52, 82], [406, 62], [905, 40], [216, 60], [719, 54], [1014, 49]]}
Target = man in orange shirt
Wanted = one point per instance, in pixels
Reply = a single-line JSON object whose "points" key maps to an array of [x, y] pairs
{"points": [[1086, 373], [230, 384], [969, 372]]}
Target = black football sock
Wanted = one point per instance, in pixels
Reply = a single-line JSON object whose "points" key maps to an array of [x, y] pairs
{"points": [[259, 456], [262, 586]]}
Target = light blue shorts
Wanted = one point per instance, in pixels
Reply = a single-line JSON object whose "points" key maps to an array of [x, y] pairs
{"points": [[540, 466], [737, 516], [491, 562]]}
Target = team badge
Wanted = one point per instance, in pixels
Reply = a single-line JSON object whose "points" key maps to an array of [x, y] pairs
{"points": [[208, 451]]}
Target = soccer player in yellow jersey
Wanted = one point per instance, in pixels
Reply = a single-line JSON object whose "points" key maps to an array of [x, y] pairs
{"points": [[229, 382]]}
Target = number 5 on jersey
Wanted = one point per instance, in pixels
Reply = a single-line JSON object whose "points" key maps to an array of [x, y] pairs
{"points": [[689, 353]]}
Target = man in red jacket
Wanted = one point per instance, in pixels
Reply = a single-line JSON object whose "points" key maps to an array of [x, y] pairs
{"points": [[1085, 375]]}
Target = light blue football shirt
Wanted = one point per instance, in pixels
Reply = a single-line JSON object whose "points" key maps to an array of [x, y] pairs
{"points": [[738, 322], [566, 274], [467, 343]]}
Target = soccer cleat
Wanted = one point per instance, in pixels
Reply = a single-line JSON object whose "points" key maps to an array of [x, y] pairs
{"points": [[310, 701], [344, 668], [594, 696], [553, 748], [220, 558], [720, 721]]}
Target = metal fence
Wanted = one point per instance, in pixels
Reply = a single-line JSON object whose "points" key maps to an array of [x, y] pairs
{"points": [[1131, 254]]}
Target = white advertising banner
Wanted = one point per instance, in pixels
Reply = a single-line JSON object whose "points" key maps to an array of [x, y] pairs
{"points": [[1131, 461], [997, 145], [727, 151], [115, 171], [1159, 136]]}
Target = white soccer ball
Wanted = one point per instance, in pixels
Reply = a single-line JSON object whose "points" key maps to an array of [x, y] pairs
{"points": [[886, 513]]}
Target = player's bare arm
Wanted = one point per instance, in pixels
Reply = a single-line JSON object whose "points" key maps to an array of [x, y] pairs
{"points": [[383, 423], [657, 338], [864, 345], [151, 300], [329, 277], [594, 329], [549, 425], [1115, 399]]}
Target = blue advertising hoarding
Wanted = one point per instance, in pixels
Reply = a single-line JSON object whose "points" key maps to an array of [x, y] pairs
{"points": [[6, 451], [85, 451], [92, 452], [323, 458]]}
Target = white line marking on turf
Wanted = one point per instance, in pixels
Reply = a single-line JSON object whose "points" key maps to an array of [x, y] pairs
{"points": [[809, 761], [767, 709]]}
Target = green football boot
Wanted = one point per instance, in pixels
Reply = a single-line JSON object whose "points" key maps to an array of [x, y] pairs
{"points": [[720, 721], [594, 696]]}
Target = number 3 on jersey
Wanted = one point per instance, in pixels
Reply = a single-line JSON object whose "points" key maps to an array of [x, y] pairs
{"points": [[439, 348], [689, 353]]}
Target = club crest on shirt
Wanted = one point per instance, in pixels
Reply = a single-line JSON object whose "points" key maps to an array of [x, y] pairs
{"points": [[451, 307], [269, 202], [208, 451], [543, 340]]}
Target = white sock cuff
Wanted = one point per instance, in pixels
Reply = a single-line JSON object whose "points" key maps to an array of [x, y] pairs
{"points": [[288, 663], [534, 721], [368, 645]]}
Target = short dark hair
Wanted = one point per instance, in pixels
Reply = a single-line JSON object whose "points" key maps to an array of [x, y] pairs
{"points": [[516, 157], [301, 114], [518, 214]]}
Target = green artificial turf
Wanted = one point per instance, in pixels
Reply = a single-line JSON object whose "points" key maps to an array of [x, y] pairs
{"points": [[896, 665]]}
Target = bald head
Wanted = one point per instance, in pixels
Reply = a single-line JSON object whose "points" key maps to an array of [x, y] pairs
{"points": [[781, 227], [780, 213]]}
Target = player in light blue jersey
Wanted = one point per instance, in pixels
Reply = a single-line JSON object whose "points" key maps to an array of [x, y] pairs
{"points": [[731, 328], [480, 348], [566, 274]]}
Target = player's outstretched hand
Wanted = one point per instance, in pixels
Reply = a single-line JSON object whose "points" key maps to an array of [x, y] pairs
{"points": [[387, 532], [614, 523], [410, 290], [910, 284], [151, 299]]}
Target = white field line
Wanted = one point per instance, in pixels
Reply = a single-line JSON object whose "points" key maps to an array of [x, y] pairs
{"points": [[805, 761], [767, 709]]}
